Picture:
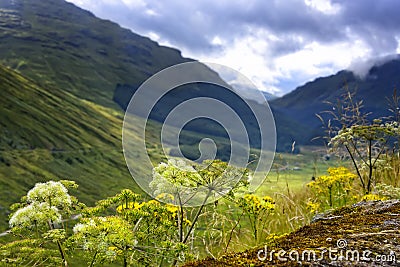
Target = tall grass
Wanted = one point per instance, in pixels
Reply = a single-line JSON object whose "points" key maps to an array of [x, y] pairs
{"points": [[223, 227]]}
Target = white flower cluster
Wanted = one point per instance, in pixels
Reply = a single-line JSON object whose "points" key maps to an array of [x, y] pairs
{"points": [[377, 131], [46, 200], [54, 193], [35, 213], [190, 183], [87, 226], [174, 176]]}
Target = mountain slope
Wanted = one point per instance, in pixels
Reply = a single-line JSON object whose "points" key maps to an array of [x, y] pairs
{"points": [[47, 133], [60, 45], [302, 104], [56, 43]]}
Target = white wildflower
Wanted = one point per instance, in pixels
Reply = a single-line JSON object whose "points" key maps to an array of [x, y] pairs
{"points": [[53, 193], [35, 213]]}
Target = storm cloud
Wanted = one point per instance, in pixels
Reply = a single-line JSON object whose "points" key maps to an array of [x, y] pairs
{"points": [[275, 43]]}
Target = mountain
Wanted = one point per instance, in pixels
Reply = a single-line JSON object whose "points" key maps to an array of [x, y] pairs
{"points": [[269, 96], [304, 102], [248, 92], [58, 44], [295, 113], [204, 127]]}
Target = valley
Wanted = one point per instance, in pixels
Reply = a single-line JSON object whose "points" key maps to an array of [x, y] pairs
{"points": [[66, 80]]}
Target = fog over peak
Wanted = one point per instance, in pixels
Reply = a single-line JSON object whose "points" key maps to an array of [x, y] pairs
{"points": [[361, 67]]}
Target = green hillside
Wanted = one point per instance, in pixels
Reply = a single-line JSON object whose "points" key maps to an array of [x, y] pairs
{"points": [[56, 43], [47, 133]]}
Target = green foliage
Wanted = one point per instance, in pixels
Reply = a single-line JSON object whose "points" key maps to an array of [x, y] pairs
{"points": [[388, 168], [29, 252], [196, 184], [140, 233], [104, 239], [122, 229], [257, 210], [362, 141], [127, 230], [332, 190], [122, 199]]}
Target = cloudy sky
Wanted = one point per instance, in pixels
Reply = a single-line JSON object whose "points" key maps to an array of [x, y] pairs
{"points": [[278, 45]]}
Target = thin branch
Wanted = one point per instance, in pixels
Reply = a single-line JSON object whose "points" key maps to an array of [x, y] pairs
{"points": [[355, 165], [231, 233]]}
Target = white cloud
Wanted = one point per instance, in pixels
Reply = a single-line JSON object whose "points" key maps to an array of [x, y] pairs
{"points": [[324, 6], [154, 36], [361, 66], [316, 58], [246, 56], [133, 3]]}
